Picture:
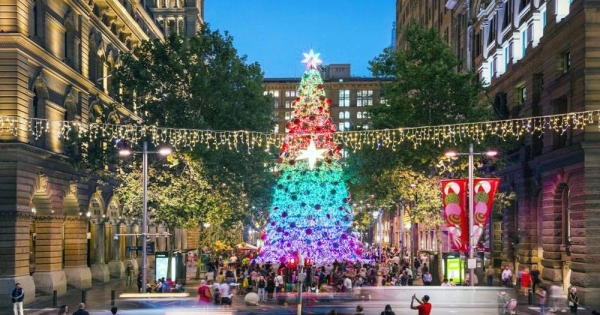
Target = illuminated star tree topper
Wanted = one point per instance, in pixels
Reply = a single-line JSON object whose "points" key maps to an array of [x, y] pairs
{"points": [[312, 60]]}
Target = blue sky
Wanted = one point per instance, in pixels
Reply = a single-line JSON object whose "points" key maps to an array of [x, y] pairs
{"points": [[275, 33]]}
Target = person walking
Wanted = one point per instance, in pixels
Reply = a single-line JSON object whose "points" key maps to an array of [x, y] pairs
{"points": [[204, 294], [388, 310], [129, 274], [507, 277], [573, 300], [81, 310], [17, 295], [542, 299], [489, 275], [424, 306]]}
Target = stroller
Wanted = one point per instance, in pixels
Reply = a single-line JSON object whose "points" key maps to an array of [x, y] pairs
{"points": [[506, 305]]}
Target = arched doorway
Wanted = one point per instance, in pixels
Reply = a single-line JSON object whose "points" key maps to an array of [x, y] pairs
{"points": [[97, 216], [563, 203]]}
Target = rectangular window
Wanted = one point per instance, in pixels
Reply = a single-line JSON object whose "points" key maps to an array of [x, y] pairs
{"points": [[364, 98], [544, 19], [276, 104], [288, 115], [524, 42], [491, 70], [344, 98], [276, 129], [507, 14], [522, 94], [492, 31], [273, 93], [288, 104], [566, 61], [506, 58], [290, 93]]}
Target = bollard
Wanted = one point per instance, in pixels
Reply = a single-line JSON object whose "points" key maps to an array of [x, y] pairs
{"points": [[112, 298], [54, 298], [83, 296], [530, 297]]}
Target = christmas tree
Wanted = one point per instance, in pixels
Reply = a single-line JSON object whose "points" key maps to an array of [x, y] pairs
{"points": [[311, 212]]}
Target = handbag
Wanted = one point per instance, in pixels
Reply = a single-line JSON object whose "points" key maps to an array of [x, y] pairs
{"points": [[571, 303]]}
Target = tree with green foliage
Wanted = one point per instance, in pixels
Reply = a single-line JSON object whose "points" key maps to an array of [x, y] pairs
{"points": [[201, 83], [423, 88]]}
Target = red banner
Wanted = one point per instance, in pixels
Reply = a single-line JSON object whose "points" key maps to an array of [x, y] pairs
{"points": [[454, 199], [483, 200]]}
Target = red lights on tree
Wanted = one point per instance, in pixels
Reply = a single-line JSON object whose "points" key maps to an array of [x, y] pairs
{"points": [[308, 262]]}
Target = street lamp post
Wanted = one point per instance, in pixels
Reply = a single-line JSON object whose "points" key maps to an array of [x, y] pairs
{"points": [[144, 152], [377, 216], [490, 153]]}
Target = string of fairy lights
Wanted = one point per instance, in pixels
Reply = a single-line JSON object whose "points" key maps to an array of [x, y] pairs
{"points": [[181, 138]]}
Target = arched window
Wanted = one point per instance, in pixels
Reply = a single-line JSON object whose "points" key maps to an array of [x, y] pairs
{"points": [[71, 55], [359, 115], [566, 215], [341, 116]]}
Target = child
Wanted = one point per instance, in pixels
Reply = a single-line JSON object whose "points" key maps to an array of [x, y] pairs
{"points": [[542, 299], [217, 297]]}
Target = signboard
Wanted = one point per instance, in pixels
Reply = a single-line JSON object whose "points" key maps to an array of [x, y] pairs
{"points": [[455, 267], [149, 248]]}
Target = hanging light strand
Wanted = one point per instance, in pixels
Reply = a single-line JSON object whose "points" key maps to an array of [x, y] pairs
{"points": [[181, 138]]}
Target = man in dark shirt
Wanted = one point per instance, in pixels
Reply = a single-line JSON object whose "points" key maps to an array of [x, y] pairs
{"points": [[535, 277], [17, 295], [81, 310]]}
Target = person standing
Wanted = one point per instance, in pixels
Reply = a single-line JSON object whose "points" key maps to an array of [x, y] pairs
{"points": [[424, 306], [427, 278], [113, 310], [535, 277], [63, 310], [17, 296], [525, 281], [139, 283], [81, 310], [573, 301], [348, 285], [388, 310], [359, 310], [261, 285]]}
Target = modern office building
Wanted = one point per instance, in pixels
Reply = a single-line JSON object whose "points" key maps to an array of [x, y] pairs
{"points": [[539, 58], [59, 223], [350, 96]]}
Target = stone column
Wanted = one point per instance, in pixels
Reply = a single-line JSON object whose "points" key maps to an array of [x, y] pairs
{"points": [[76, 269], [14, 254], [184, 238], [100, 271], [49, 275], [116, 266]]}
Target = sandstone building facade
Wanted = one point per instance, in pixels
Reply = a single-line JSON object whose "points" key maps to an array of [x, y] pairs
{"points": [[540, 58], [58, 223]]}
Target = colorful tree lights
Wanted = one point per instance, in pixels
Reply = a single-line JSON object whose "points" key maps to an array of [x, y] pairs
{"points": [[310, 213]]}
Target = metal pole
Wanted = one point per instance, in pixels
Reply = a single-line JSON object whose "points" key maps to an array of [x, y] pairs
{"points": [[402, 230], [471, 234], [469, 30], [380, 233], [300, 278], [145, 216]]}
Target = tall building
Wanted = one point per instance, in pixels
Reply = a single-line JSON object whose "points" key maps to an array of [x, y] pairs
{"points": [[184, 17], [59, 223], [349, 97], [538, 58]]}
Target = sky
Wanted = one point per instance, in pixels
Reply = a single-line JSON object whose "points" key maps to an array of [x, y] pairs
{"points": [[275, 33]]}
